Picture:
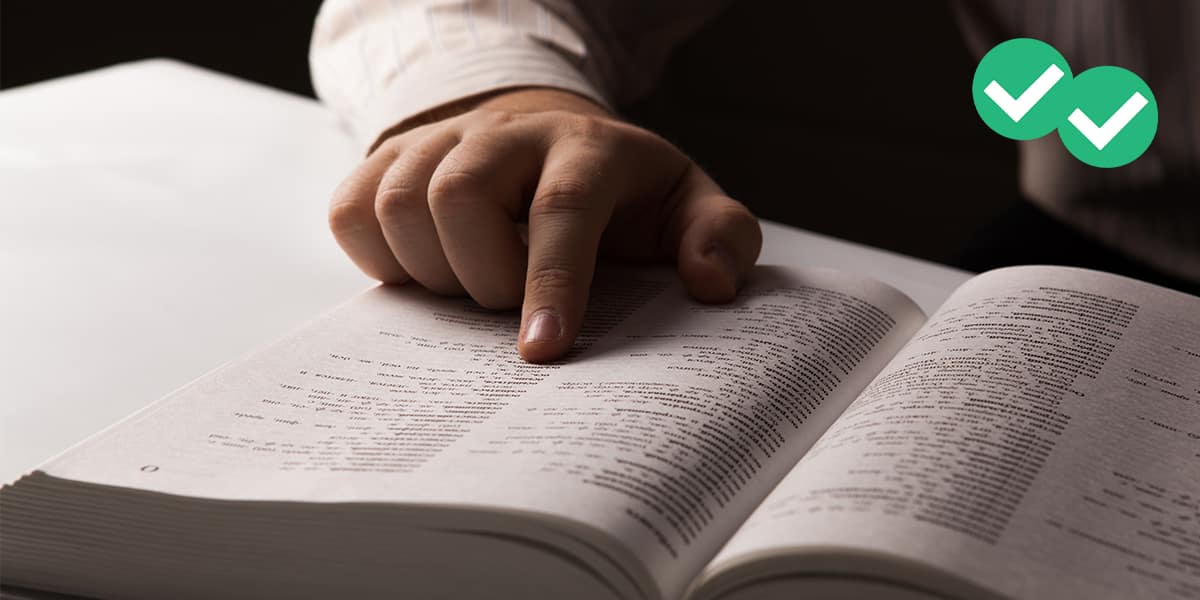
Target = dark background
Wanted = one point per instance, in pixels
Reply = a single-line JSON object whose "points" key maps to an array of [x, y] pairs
{"points": [[905, 174], [260, 40]]}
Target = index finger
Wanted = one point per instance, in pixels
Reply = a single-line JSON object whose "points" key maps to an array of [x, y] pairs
{"points": [[570, 209]]}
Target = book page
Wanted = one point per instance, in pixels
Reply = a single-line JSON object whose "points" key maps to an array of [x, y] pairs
{"points": [[1038, 438], [667, 425]]}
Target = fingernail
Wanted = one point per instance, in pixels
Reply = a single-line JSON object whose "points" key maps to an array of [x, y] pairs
{"points": [[543, 326]]}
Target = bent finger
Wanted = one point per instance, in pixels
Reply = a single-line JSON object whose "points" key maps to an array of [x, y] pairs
{"points": [[475, 196], [353, 222], [401, 204]]}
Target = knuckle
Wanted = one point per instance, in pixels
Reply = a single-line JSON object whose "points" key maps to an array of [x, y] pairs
{"points": [[490, 118], [552, 280], [588, 126], [347, 217], [562, 194], [591, 129], [612, 141], [453, 191], [397, 199], [392, 144]]}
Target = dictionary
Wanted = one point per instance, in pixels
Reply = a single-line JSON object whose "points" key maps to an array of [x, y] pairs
{"points": [[1038, 436]]}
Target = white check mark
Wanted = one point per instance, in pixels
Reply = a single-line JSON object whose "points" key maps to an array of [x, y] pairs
{"points": [[1102, 135], [1016, 108]]}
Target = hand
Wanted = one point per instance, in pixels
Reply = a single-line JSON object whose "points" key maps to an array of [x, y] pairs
{"points": [[441, 204]]}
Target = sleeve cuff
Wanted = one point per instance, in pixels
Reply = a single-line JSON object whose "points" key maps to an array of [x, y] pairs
{"points": [[445, 78]]}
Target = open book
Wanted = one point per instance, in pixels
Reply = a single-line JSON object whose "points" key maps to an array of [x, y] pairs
{"points": [[1037, 437]]}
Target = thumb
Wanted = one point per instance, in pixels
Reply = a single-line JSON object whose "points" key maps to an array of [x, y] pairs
{"points": [[718, 239]]}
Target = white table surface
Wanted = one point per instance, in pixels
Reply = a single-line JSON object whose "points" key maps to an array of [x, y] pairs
{"points": [[157, 220]]}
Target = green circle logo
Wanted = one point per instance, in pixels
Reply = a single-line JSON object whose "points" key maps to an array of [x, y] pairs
{"points": [[1114, 120], [1022, 89], [1106, 117]]}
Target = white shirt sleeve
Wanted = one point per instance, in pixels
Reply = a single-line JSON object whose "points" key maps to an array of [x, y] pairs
{"points": [[379, 62]]}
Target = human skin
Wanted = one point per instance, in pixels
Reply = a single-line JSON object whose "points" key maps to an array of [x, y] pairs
{"points": [[443, 200]]}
